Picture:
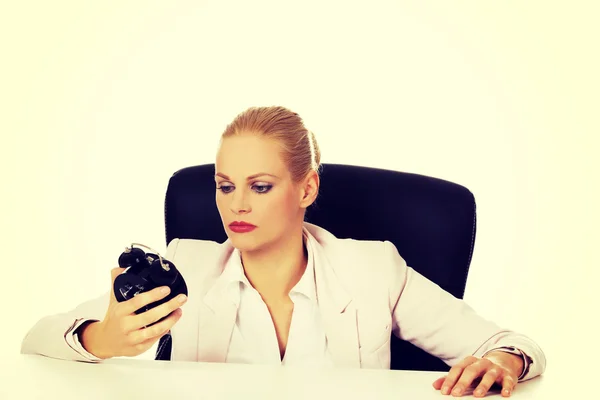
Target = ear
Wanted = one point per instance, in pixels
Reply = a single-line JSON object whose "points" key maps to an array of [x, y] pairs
{"points": [[309, 189]]}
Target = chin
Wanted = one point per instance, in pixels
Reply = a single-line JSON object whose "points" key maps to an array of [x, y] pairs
{"points": [[243, 243]]}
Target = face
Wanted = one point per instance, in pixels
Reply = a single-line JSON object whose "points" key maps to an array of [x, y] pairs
{"points": [[254, 186]]}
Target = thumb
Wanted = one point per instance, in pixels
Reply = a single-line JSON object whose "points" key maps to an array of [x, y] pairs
{"points": [[113, 275]]}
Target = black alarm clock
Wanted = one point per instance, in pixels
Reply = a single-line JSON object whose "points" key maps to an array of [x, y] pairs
{"points": [[144, 272]]}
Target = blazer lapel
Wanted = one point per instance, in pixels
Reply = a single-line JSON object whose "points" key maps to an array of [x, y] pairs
{"points": [[216, 322], [216, 318], [337, 310], [203, 332], [184, 334]]}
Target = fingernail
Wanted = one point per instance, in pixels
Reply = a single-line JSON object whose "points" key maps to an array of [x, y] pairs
{"points": [[457, 390], [506, 391], [478, 392], [445, 390], [164, 290], [181, 298]]}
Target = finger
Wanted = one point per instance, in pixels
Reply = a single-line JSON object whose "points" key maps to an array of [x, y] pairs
{"points": [[139, 348], [437, 384], [156, 313], [470, 373], [508, 385], [494, 374], [455, 373], [157, 330], [143, 299]]}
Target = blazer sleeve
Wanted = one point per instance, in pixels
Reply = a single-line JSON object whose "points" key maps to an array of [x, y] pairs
{"points": [[446, 327], [55, 335]]}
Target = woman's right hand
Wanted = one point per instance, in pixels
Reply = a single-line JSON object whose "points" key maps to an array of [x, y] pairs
{"points": [[122, 332]]}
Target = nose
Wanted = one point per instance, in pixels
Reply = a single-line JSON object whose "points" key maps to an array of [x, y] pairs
{"points": [[238, 203]]}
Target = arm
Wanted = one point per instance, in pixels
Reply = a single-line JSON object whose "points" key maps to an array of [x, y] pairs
{"points": [[60, 335], [445, 326], [54, 336]]}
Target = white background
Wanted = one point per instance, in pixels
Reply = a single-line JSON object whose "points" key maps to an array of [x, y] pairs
{"points": [[102, 101]]}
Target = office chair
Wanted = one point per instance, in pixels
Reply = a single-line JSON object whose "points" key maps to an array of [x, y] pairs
{"points": [[432, 222]]}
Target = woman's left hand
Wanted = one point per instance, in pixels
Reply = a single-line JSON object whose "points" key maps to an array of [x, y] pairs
{"points": [[496, 367]]}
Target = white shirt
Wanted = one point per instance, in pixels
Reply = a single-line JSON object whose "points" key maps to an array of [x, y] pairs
{"points": [[254, 340]]}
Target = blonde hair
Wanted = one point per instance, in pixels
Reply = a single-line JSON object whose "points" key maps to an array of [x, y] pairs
{"points": [[300, 150]]}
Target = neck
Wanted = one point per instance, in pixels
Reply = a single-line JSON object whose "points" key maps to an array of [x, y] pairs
{"points": [[275, 270]]}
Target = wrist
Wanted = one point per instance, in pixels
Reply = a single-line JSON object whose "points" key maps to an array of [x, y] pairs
{"points": [[89, 338], [511, 361]]}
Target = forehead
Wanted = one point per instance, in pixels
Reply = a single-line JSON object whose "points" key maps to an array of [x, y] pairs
{"points": [[244, 155]]}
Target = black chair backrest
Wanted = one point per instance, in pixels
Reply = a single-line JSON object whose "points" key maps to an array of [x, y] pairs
{"points": [[431, 221]]}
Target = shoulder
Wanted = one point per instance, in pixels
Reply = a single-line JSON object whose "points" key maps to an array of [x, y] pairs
{"points": [[360, 258], [333, 245], [204, 259], [185, 247], [372, 271]]}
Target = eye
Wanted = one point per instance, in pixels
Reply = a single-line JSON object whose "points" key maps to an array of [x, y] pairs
{"points": [[262, 188], [225, 188], [259, 189]]}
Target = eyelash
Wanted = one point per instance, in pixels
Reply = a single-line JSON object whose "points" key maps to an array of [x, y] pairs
{"points": [[265, 188]]}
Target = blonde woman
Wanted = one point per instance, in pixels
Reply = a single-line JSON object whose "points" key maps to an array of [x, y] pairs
{"points": [[283, 291]]}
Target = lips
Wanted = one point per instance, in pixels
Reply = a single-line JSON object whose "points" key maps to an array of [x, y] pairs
{"points": [[241, 227], [241, 224]]}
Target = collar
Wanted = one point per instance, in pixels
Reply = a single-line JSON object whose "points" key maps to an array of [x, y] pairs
{"points": [[306, 285], [234, 276]]}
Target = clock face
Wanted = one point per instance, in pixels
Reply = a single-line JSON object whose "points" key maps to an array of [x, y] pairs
{"points": [[129, 291], [128, 285]]}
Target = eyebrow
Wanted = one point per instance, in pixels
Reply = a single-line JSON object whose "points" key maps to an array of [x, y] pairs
{"points": [[248, 178]]}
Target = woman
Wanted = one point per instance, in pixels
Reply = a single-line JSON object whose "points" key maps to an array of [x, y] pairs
{"points": [[284, 291]]}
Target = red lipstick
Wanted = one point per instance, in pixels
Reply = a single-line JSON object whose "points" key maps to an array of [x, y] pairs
{"points": [[241, 227]]}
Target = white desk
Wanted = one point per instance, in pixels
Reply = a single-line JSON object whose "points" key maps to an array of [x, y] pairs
{"points": [[36, 377]]}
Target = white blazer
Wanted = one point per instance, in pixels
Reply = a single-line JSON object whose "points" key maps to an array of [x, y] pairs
{"points": [[365, 293]]}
